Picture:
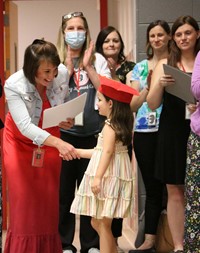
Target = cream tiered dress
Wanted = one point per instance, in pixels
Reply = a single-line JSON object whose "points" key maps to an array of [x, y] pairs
{"points": [[116, 198]]}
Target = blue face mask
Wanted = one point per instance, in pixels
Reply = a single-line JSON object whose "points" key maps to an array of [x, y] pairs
{"points": [[75, 39]]}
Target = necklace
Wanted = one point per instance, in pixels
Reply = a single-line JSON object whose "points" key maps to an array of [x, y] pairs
{"points": [[182, 67]]}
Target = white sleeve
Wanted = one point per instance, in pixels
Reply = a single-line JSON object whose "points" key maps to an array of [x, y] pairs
{"points": [[21, 115], [101, 66]]}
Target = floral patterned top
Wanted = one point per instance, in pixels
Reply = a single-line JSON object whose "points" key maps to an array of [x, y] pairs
{"points": [[146, 119], [123, 70]]}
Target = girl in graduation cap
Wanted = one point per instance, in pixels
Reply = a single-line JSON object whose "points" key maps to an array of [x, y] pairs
{"points": [[109, 174]]}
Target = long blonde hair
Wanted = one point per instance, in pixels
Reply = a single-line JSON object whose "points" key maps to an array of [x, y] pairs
{"points": [[61, 45]]}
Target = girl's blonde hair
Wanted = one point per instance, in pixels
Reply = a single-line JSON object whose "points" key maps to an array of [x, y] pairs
{"points": [[61, 45]]}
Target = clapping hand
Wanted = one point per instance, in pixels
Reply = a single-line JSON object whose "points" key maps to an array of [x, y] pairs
{"points": [[112, 65], [87, 59], [69, 61], [149, 78]]}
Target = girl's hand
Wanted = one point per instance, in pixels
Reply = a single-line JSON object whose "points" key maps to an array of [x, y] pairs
{"points": [[69, 62], [96, 185], [79, 152], [166, 80], [66, 124], [87, 59]]}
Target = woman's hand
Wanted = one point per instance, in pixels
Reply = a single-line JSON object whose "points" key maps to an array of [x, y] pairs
{"points": [[166, 80], [192, 108], [88, 66], [69, 61], [149, 78], [87, 59], [67, 151], [112, 65], [66, 124], [96, 185]]}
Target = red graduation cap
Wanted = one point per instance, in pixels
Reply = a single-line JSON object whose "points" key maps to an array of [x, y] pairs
{"points": [[116, 90]]}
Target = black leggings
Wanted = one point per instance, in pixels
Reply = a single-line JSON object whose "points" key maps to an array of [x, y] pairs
{"points": [[144, 145]]}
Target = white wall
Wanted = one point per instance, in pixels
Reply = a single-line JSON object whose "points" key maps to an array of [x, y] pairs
{"points": [[121, 14], [37, 19]]}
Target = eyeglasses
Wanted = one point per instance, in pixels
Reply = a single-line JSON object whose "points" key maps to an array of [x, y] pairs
{"points": [[72, 15]]}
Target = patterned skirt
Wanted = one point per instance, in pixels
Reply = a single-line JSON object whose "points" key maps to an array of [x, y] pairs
{"points": [[116, 198], [192, 196]]}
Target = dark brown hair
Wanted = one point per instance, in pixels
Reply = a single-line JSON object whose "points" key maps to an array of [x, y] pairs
{"points": [[101, 38], [121, 120], [175, 53], [153, 24], [38, 51]]}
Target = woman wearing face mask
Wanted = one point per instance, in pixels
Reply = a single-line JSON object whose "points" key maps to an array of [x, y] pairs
{"points": [[76, 52]]}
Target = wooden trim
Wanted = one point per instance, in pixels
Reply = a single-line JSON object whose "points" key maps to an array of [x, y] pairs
{"points": [[1, 44], [103, 13], [2, 116]]}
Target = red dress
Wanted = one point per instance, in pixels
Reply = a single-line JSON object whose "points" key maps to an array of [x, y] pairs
{"points": [[33, 193]]}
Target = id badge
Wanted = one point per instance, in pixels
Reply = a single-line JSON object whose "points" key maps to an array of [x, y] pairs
{"points": [[38, 157], [79, 119], [151, 118]]}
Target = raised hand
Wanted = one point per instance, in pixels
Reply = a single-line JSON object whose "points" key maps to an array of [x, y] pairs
{"points": [[69, 61], [87, 59]]}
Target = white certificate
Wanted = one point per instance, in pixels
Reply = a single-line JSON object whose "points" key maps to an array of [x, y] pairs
{"points": [[53, 116], [182, 86]]}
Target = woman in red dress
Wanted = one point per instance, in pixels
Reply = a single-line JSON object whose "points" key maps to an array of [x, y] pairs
{"points": [[31, 154]]}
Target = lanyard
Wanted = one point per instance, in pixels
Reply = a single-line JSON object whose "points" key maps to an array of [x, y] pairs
{"points": [[182, 67], [77, 80]]}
